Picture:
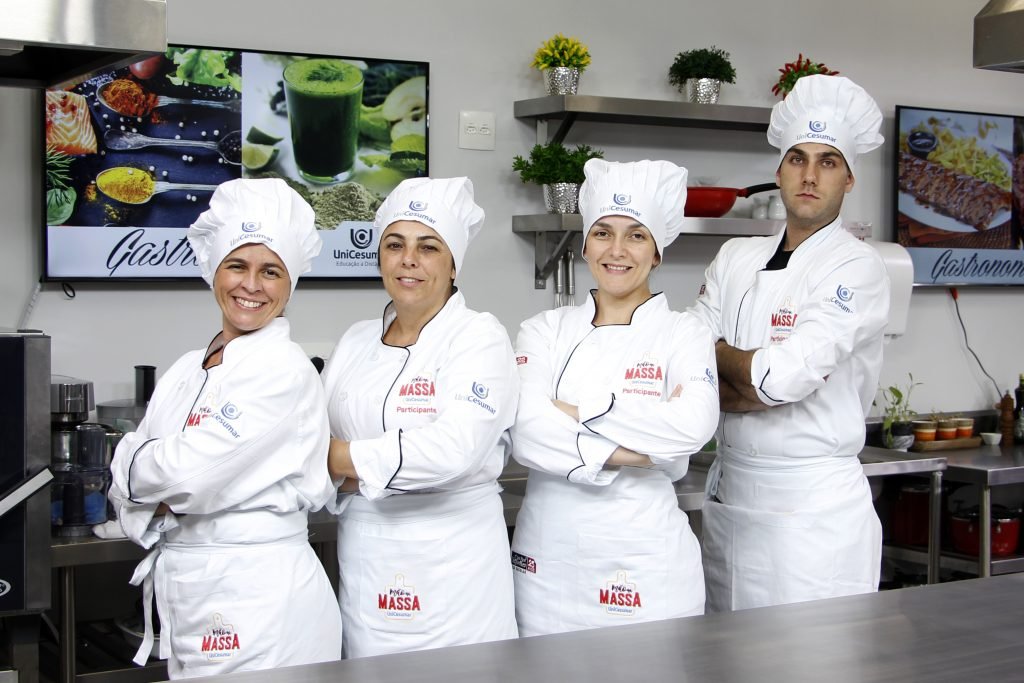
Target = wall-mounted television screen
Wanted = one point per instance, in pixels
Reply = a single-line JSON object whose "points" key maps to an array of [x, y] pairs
{"points": [[133, 154], [958, 195]]}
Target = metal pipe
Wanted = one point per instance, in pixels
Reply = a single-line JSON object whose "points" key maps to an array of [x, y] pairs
{"points": [[570, 276], [559, 279], [67, 624], [934, 528], [985, 518]]}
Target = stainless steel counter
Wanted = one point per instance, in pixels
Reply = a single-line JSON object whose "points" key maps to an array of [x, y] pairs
{"points": [[66, 554], [960, 631]]}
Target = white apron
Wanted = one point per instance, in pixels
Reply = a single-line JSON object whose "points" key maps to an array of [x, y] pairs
{"points": [[228, 607], [423, 571], [586, 556], [780, 530]]}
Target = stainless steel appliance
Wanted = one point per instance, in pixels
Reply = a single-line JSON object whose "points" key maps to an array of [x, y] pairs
{"points": [[997, 31], [45, 42], [24, 531], [125, 414]]}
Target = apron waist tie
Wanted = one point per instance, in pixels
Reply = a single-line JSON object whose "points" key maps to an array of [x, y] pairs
{"points": [[144, 575]]}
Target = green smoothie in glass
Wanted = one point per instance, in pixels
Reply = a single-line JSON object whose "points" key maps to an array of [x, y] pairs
{"points": [[324, 97]]}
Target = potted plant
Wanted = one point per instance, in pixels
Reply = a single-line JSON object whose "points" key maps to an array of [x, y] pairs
{"points": [[562, 60], [702, 72], [897, 416], [794, 71], [559, 170]]}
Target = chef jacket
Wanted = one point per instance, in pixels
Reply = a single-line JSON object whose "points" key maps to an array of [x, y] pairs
{"points": [[432, 416], [239, 454], [817, 327], [621, 378], [246, 436]]}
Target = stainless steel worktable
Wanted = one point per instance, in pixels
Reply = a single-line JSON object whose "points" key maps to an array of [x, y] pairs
{"points": [[960, 631], [988, 466]]}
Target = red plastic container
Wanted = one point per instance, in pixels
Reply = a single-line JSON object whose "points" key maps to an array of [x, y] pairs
{"points": [[910, 515]]}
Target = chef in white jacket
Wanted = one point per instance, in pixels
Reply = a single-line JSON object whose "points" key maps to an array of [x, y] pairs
{"points": [[616, 394], [420, 401], [231, 456], [799, 319]]}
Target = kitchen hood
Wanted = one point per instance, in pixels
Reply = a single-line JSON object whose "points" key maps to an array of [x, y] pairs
{"points": [[46, 42], [999, 36]]}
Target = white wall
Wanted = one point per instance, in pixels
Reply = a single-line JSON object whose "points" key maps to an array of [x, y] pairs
{"points": [[915, 52]]}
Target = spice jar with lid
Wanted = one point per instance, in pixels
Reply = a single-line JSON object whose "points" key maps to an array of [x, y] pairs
{"points": [[1006, 418]]}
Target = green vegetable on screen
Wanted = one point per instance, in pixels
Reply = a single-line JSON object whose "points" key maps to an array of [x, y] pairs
{"points": [[60, 204], [410, 143], [203, 67], [373, 125]]}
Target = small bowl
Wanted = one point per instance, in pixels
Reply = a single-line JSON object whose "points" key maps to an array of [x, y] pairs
{"points": [[921, 143], [991, 438]]}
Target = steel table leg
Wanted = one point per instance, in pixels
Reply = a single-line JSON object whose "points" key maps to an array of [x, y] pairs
{"points": [[934, 527], [67, 624], [23, 647], [985, 520]]}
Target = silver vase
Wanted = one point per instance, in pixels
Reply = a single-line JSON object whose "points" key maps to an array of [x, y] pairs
{"points": [[562, 197], [562, 80], [703, 90]]}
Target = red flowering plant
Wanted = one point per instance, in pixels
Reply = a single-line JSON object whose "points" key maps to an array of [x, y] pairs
{"points": [[793, 71]]}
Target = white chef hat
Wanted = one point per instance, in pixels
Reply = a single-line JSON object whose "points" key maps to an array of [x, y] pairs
{"points": [[652, 192], [830, 110], [443, 204], [255, 211]]}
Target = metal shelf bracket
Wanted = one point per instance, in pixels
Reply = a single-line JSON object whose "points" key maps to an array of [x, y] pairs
{"points": [[545, 262]]}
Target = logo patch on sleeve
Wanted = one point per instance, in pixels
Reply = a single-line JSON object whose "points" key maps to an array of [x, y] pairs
{"points": [[523, 563]]}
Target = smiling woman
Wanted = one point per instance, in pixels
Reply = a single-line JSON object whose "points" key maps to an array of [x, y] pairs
{"points": [[615, 394], [252, 287], [224, 501], [420, 402]]}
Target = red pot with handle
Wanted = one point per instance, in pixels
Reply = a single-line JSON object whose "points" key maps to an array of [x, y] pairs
{"points": [[966, 535], [714, 202]]}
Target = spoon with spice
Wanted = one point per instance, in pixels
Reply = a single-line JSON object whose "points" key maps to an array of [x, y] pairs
{"points": [[229, 146], [126, 97], [135, 186]]}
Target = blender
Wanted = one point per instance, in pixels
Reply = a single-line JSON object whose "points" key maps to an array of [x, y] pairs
{"points": [[79, 457]]}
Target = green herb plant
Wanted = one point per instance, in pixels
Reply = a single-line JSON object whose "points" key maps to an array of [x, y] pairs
{"points": [[561, 51], [701, 63], [554, 163], [60, 196], [897, 407]]}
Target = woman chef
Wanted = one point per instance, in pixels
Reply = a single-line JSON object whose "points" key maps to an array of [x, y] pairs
{"points": [[419, 403], [233, 448], [616, 394]]}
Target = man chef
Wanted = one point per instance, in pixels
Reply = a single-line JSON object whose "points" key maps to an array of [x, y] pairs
{"points": [[799, 317]]}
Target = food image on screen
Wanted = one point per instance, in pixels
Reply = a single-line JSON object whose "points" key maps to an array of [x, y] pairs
{"points": [[133, 153], [68, 124], [957, 195], [954, 178]]}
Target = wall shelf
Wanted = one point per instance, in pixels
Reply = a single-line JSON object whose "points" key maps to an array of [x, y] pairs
{"points": [[571, 108], [568, 109]]}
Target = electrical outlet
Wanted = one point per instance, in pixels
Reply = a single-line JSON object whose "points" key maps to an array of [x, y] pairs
{"points": [[476, 130]]}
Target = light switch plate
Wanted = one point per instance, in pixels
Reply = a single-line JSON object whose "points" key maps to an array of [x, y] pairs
{"points": [[476, 129]]}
